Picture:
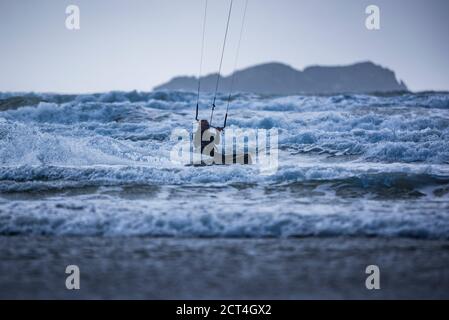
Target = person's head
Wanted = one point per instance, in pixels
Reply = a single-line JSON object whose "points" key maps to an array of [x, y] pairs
{"points": [[204, 124]]}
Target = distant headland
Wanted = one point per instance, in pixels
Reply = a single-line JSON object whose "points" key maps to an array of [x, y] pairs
{"points": [[279, 78]]}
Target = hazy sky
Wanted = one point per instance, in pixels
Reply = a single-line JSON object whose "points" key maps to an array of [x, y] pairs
{"points": [[137, 44]]}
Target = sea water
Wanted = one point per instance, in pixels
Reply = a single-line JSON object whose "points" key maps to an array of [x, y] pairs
{"points": [[348, 165]]}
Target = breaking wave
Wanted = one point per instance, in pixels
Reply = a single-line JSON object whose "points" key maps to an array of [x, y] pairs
{"points": [[109, 217]]}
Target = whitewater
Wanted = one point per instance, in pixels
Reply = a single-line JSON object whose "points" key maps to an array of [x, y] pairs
{"points": [[349, 165]]}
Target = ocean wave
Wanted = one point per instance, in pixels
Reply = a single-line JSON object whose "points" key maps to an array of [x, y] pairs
{"points": [[437, 100], [349, 165], [372, 178], [403, 128], [108, 217]]}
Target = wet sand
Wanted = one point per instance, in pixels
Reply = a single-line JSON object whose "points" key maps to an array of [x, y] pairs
{"points": [[164, 268]]}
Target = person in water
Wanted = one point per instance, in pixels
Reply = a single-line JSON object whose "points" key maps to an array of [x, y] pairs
{"points": [[207, 138], [206, 141]]}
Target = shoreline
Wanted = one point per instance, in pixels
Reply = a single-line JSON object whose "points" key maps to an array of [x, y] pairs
{"points": [[33, 267]]}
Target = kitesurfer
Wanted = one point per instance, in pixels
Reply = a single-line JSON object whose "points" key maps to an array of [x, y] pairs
{"points": [[206, 141]]}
